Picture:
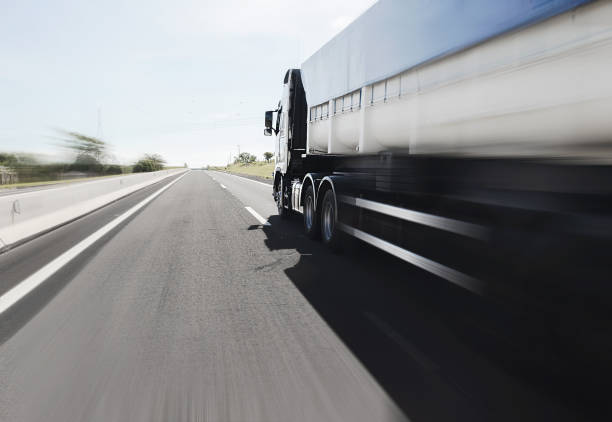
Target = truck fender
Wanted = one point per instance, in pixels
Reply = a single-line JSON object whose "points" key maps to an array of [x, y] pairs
{"points": [[314, 180], [335, 182], [276, 176]]}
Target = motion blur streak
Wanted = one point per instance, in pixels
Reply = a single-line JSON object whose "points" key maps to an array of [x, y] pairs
{"points": [[26, 286], [184, 314]]}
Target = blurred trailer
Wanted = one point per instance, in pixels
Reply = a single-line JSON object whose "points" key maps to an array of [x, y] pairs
{"points": [[472, 139]]}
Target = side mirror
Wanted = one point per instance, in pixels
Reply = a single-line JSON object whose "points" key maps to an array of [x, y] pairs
{"points": [[269, 118], [267, 132]]}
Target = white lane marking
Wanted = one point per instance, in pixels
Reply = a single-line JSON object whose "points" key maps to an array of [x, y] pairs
{"points": [[222, 185], [257, 216], [17, 293], [250, 180], [420, 357]]}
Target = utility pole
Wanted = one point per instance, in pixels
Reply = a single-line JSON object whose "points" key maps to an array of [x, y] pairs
{"points": [[238, 150]]}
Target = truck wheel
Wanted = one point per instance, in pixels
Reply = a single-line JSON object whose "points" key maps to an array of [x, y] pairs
{"points": [[330, 233], [311, 219], [279, 198]]}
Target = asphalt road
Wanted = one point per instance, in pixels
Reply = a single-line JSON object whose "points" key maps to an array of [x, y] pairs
{"points": [[193, 309]]}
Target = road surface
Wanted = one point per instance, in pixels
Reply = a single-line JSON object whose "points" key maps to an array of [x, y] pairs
{"points": [[199, 308]]}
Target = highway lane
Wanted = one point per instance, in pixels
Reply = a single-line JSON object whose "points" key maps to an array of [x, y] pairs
{"points": [[426, 341], [182, 315], [253, 193], [193, 309], [24, 260], [20, 262]]}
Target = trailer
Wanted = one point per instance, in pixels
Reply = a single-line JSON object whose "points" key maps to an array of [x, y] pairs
{"points": [[471, 139]]}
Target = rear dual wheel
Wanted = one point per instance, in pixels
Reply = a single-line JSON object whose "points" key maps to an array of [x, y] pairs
{"points": [[324, 223], [311, 218], [330, 232]]}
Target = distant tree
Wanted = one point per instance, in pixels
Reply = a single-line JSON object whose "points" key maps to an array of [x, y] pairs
{"points": [[157, 160], [18, 159], [268, 156], [8, 159], [150, 162], [84, 145], [86, 163], [89, 152], [245, 158], [113, 169], [143, 166], [185, 165]]}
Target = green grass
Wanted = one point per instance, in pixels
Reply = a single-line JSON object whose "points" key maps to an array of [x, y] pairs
{"points": [[259, 168]]}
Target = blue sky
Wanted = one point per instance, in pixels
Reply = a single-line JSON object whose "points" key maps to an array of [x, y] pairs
{"points": [[189, 80]]}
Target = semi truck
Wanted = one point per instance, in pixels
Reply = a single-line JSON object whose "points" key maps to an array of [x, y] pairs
{"points": [[472, 139]]}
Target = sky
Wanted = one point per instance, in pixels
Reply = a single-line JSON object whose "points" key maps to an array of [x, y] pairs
{"points": [[187, 79]]}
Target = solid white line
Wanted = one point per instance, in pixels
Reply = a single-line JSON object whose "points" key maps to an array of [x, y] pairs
{"points": [[257, 216], [222, 185], [250, 180], [454, 276], [26, 286]]}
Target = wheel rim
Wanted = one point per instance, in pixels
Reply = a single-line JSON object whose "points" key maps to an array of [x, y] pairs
{"points": [[328, 219], [308, 212]]}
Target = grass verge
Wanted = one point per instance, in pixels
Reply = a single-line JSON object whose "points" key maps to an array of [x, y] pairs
{"points": [[259, 169]]}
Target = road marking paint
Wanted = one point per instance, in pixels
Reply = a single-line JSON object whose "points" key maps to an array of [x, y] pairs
{"points": [[250, 180], [257, 216], [18, 292], [420, 358], [222, 185]]}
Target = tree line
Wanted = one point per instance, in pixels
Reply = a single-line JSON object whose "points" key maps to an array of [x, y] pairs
{"points": [[90, 157], [248, 158]]}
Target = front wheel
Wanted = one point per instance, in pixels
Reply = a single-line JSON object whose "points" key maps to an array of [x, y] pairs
{"points": [[279, 198], [330, 232]]}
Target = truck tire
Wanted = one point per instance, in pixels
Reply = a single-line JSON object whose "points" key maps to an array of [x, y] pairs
{"points": [[311, 219], [279, 198], [330, 232]]}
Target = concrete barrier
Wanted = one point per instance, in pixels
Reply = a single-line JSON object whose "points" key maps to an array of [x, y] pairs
{"points": [[27, 214]]}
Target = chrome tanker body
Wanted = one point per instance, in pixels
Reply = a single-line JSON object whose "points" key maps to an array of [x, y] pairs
{"points": [[472, 139]]}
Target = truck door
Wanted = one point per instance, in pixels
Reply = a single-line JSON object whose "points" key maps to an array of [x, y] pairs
{"points": [[282, 141], [282, 155]]}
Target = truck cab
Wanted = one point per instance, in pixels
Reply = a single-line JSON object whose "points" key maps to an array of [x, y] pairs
{"points": [[288, 124]]}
